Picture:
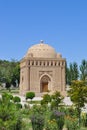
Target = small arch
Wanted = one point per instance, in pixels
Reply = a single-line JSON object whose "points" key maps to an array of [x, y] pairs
{"points": [[44, 82]]}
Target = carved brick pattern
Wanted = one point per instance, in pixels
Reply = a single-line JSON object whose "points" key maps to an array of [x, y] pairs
{"points": [[45, 72]]}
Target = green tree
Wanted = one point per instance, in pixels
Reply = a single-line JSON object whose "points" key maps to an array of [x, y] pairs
{"points": [[59, 118], [78, 95], [83, 70], [16, 74], [75, 71], [46, 99], [56, 99], [9, 72], [72, 72], [10, 117], [8, 85], [68, 76]]}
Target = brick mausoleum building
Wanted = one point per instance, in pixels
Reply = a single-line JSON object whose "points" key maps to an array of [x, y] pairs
{"points": [[42, 70]]}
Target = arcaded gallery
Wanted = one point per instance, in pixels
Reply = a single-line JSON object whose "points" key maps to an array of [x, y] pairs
{"points": [[42, 70]]}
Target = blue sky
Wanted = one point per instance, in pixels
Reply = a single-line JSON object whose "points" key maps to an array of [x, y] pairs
{"points": [[60, 23]]}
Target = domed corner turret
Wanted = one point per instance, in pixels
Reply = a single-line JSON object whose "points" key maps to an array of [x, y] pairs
{"points": [[59, 55], [29, 55]]}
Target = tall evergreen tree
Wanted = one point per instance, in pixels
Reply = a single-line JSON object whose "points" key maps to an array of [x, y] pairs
{"points": [[75, 71], [72, 72], [83, 70]]}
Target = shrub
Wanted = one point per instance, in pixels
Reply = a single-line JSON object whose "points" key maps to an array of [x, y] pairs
{"points": [[25, 112], [10, 117], [59, 117], [46, 99], [56, 100], [51, 125], [37, 109], [6, 96], [19, 105], [16, 99], [30, 95], [37, 121], [11, 97], [71, 123], [71, 111], [84, 119]]}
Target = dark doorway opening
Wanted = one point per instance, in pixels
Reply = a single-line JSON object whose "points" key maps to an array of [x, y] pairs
{"points": [[44, 83]]}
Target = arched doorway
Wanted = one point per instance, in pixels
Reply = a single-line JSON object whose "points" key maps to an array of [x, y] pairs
{"points": [[44, 83]]}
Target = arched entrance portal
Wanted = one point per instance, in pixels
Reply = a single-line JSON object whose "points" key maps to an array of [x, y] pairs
{"points": [[44, 83]]}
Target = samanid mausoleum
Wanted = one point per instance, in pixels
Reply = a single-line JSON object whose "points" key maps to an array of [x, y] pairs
{"points": [[42, 70]]}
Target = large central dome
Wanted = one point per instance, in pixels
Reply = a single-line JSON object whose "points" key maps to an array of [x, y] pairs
{"points": [[41, 50]]}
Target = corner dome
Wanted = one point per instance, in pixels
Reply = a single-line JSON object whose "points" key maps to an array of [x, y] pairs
{"points": [[41, 50]]}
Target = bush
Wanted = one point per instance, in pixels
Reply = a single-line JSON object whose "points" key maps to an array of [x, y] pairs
{"points": [[6, 96], [19, 105], [51, 125], [46, 99], [37, 121], [59, 117], [56, 100], [30, 95], [71, 123], [11, 97], [16, 99], [10, 117], [71, 111], [25, 112], [37, 109], [84, 119]]}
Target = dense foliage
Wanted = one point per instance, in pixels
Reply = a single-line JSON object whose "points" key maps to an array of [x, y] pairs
{"points": [[38, 117], [59, 117], [75, 72], [9, 73], [57, 99], [10, 117], [30, 95], [78, 95]]}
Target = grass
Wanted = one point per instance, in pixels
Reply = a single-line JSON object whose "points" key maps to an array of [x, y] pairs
{"points": [[82, 128], [33, 102], [12, 90]]}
